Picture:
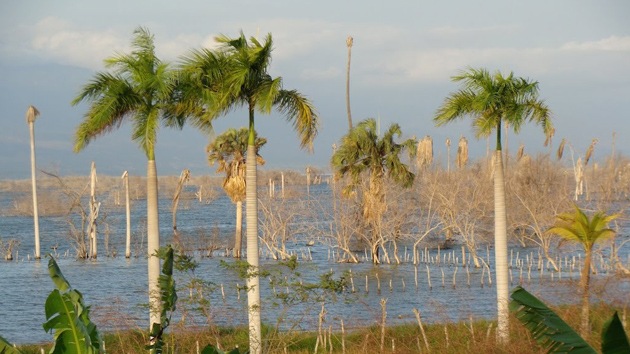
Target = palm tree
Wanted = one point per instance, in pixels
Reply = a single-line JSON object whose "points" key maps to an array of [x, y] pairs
{"points": [[578, 227], [31, 114], [140, 89], [491, 101], [236, 75], [362, 152], [228, 150]]}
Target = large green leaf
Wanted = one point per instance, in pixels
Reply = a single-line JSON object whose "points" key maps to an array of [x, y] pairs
{"points": [[614, 338], [57, 277], [68, 318], [547, 328], [7, 348]]}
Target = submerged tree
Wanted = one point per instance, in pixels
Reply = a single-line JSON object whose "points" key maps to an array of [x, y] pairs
{"points": [[31, 115], [363, 152], [140, 89], [236, 75], [493, 100], [228, 151]]}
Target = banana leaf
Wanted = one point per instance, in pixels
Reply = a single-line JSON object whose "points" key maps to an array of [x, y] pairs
{"points": [[614, 338], [547, 328], [68, 317], [7, 348]]}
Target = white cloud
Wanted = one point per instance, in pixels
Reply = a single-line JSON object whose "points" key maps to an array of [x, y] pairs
{"points": [[56, 40], [612, 43]]}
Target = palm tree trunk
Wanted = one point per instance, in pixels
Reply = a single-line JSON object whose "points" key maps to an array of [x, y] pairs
{"points": [[31, 128], [253, 281], [238, 236], [349, 42], [128, 214], [153, 244], [500, 250], [584, 285]]}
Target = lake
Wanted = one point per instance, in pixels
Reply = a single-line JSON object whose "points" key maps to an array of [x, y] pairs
{"points": [[115, 287]]}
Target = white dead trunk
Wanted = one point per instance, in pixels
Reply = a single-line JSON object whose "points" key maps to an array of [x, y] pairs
{"points": [[125, 178], [31, 114]]}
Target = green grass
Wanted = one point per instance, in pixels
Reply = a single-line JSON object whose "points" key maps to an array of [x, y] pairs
{"points": [[401, 339]]}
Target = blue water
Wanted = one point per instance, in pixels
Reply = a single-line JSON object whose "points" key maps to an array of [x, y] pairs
{"points": [[115, 287]]}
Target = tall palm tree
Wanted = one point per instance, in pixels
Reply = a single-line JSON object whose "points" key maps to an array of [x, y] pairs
{"points": [[362, 152], [139, 88], [492, 100], [31, 115], [579, 227], [236, 75], [228, 151]]}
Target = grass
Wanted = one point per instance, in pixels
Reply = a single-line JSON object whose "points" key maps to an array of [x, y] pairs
{"points": [[400, 339]]}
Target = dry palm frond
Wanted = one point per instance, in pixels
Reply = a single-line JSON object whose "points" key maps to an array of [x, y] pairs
{"points": [[31, 114], [560, 149], [549, 136], [462, 152], [425, 152], [520, 152], [589, 151]]}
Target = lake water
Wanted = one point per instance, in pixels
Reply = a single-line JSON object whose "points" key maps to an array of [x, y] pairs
{"points": [[115, 287]]}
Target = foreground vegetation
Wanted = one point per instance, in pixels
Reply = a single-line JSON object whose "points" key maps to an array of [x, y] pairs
{"points": [[442, 338]]}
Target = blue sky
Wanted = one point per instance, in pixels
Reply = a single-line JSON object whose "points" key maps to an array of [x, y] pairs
{"points": [[403, 56]]}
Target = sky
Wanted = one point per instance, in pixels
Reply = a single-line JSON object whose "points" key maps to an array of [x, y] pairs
{"points": [[403, 57]]}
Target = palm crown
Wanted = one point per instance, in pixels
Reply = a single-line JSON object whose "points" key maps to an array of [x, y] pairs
{"points": [[492, 100], [140, 87]]}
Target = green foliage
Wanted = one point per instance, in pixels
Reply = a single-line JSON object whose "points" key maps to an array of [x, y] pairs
{"points": [[555, 335], [287, 275], [491, 99], [209, 349], [547, 328], [614, 338], [363, 150], [7, 348], [168, 299], [579, 227], [68, 317]]}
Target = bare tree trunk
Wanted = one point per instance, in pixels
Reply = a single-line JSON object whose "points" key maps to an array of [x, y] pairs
{"points": [[93, 213], [238, 236], [253, 280], [585, 329], [349, 42], [31, 115], [500, 251], [183, 178], [125, 177], [153, 244]]}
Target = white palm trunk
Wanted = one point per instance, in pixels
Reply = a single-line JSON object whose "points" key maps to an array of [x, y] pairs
{"points": [[125, 177], [31, 115], [238, 233], [500, 251], [253, 281], [153, 244]]}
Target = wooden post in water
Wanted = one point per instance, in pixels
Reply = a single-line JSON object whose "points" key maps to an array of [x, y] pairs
{"points": [[93, 213], [125, 178]]}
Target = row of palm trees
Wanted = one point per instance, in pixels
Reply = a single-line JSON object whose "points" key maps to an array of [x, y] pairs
{"points": [[207, 84], [150, 93]]}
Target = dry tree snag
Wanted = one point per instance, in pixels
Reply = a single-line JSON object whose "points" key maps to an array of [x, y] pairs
{"points": [[183, 178], [78, 233]]}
